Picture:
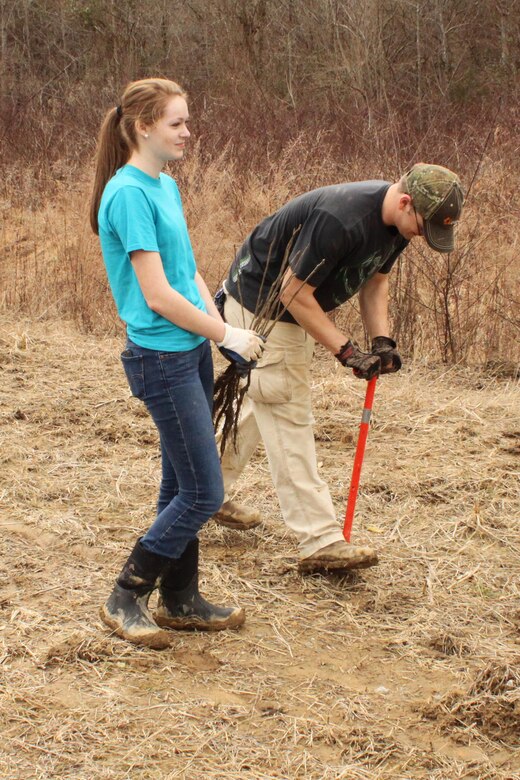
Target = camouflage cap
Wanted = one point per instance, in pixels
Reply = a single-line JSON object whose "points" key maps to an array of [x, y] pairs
{"points": [[437, 195]]}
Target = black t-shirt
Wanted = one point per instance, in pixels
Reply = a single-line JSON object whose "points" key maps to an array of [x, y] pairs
{"points": [[340, 225]]}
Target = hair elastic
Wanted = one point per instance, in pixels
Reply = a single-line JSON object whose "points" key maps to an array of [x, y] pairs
{"points": [[119, 111]]}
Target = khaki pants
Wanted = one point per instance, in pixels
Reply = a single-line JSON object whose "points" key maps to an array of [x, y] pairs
{"points": [[277, 409]]}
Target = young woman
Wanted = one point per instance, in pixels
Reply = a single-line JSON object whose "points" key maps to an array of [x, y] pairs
{"points": [[170, 318]]}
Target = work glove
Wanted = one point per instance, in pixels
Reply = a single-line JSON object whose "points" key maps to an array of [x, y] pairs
{"points": [[385, 348], [364, 364], [240, 345]]}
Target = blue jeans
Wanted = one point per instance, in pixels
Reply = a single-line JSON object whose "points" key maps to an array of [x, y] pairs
{"points": [[177, 389]]}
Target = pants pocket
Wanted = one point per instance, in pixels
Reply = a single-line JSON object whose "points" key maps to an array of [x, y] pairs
{"points": [[270, 382], [134, 370]]}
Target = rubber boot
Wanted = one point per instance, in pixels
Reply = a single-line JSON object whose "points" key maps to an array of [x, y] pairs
{"points": [[126, 611], [180, 604]]}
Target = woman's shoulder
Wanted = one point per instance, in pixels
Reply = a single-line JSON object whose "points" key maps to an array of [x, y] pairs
{"points": [[123, 180], [123, 195], [122, 192]]}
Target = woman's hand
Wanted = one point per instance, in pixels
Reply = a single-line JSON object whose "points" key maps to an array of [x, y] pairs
{"points": [[247, 344]]}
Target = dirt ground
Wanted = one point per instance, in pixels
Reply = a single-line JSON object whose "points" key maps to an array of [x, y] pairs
{"points": [[407, 670]]}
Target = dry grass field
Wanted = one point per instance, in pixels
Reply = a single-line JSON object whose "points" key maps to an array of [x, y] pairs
{"points": [[409, 670]]}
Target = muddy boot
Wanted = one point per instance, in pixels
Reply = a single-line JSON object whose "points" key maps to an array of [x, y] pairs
{"points": [[126, 610], [338, 556], [237, 516], [180, 604]]}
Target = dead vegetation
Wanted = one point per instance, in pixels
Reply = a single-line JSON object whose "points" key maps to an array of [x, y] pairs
{"points": [[490, 704], [406, 671]]}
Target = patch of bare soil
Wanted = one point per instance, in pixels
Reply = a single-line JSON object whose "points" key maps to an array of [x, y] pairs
{"points": [[408, 670]]}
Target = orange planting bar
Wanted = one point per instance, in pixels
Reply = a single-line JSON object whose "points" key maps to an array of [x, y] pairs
{"points": [[358, 458]]}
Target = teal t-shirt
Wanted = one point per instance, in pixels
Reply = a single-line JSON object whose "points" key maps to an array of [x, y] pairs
{"points": [[140, 212]]}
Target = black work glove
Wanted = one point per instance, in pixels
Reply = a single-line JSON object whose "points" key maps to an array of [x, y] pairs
{"points": [[241, 366], [364, 364], [385, 348]]}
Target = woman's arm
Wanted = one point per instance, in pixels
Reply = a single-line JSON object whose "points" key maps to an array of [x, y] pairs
{"points": [[207, 297], [164, 300]]}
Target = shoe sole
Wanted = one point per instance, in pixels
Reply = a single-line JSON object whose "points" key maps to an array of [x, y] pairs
{"points": [[236, 525], [159, 640], [235, 620], [316, 565]]}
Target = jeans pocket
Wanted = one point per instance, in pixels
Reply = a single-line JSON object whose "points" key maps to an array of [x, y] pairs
{"points": [[134, 370], [271, 382]]}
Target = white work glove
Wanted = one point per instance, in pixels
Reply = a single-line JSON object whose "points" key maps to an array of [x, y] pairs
{"points": [[245, 344]]}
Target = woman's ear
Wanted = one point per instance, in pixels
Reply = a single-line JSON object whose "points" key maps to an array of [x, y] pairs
{"points": [[141, 129]]}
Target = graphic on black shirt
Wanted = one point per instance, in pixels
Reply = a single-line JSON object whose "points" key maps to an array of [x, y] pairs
{"points": [[350, 280], [237, 268]]}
